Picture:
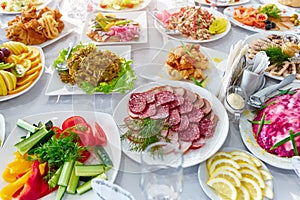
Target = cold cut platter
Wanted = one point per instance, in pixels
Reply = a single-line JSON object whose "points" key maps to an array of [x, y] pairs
{"points": [[181, 113]]}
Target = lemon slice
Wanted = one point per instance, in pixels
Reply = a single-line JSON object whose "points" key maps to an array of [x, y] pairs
{"points": [[253, 188], [242, 193], [230, 176], [265, 174], [231, 169], [222, 162], [254, 176], [242, 159], [256, 161], [249, 166], [239, 153], [217, 155], [268, 192], [223, 187]]}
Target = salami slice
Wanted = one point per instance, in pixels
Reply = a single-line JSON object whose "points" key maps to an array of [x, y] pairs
{"points": [[179, 100], [195, 115], [137, 102], [174, 117], [162, 112], [150, 96], [186, 107], [149, 111], [184, 124], [164, 97], [206, 128], [190, 134]]}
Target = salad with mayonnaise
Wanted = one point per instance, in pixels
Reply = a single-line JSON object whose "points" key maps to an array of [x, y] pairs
{"points": [[17, 5], [119, 4]]}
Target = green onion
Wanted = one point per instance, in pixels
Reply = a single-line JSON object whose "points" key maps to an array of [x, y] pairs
{"points": [[262, 122], [281, 142], [292, 137], [258, 122]]}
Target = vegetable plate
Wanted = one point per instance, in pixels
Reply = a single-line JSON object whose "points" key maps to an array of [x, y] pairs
{"points": [[121, 6], [223, 2], [93, 135], [15, 6]]}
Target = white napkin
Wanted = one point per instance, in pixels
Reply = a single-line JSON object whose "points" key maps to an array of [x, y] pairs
{"points": [[106, 190], [259, 63], [236, 52]]}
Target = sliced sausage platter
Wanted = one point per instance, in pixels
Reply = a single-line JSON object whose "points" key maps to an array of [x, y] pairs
{"points": [[198, 121]]}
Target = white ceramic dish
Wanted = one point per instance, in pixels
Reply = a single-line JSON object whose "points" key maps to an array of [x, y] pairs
{"points": [[228, 12], [274, 2], [45, 3], [141, 6], [203, 176], [256, 36], [2, 130], [113, 146], [250, 142], [140, 17], [185, 38], [69, 27], [57, 87], [157, 71], [240, 2], [192, 157], [11, 96]]}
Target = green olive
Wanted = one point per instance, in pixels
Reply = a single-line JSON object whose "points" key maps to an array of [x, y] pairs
{"points": [[296, 22], [292, 19], [295, 16]]}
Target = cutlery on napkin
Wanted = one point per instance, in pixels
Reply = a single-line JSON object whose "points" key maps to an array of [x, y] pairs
{"points": [[236, 53], [106, 190]]}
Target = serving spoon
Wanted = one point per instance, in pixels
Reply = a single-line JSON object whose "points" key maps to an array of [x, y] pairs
{"points": [[63, 66]]}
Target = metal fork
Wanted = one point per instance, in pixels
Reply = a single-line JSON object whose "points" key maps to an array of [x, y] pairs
{"points": [[63, 66], [166, 30]]}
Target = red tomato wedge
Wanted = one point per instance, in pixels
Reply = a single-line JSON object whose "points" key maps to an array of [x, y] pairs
{"points": [[100, 136], [72, 121]]}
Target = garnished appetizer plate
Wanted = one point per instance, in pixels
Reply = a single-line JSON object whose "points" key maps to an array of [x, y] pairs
{"points": [[199, 35], [157, 70], [131, 5], [182, 130], [235, 154], [17, 5], [136, 32], [112, 147], [256, 22], [35, 65], [57, 87], [258, 42], [223, 3], [251, 143]]}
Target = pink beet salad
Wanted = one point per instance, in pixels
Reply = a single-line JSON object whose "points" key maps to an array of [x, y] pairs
{"points": [[282, 115]]}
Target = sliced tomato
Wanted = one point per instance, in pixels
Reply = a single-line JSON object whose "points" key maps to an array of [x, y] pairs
{"points": [[130, 5], [57, 131], [100, 136], [207, 1], [72, 121], [102, 5], [3, 6]]}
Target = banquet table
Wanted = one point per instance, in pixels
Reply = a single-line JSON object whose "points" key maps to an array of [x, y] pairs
{"points": [[286, 183]]}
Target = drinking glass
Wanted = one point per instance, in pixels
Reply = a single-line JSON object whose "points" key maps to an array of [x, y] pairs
{"points": [[78, 9], [162, 172]]}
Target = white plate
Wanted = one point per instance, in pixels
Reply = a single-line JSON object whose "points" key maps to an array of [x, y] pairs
{"points": [[274, 2], [256, 36], [113, 146], [253, 146], [185, 38], [192, 157], [284, 11], [7, 97], [57, 87], [141, 6], [223, 4], [69, 27], [140, 17], [45, 3], [203, 176], [2, 130], [157, 71]]}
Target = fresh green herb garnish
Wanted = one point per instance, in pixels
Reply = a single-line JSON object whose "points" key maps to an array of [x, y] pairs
{"points": [[187, 50], [271, 10], [292, 137], [199, 83], [266, 105], [258, 122], [261, 123], [281, 142], [276, 55], [287, 91], [59, 150], [143, 132]]}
